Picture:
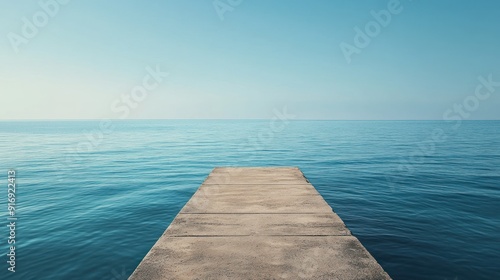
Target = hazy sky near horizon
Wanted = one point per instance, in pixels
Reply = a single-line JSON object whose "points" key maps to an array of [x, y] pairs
{"points": [[263, 55]]}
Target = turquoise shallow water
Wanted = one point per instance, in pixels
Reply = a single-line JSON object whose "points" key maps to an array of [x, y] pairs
{"points": [[423, 197]]}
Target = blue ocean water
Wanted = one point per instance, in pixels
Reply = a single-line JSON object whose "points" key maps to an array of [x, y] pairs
{"points": [[422, 196]]}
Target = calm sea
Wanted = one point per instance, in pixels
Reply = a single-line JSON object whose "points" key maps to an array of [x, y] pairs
{"points": [[422, 196]]}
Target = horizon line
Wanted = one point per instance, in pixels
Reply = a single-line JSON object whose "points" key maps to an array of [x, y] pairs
{"points": [[231, 119]]}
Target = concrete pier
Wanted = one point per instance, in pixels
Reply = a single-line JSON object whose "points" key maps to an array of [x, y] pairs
{"points": [[258, 223]]}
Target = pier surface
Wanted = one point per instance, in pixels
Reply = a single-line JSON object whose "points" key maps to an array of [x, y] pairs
{"points": [[258, 223]]}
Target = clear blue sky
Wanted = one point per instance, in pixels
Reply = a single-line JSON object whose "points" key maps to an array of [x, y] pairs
{"points": [[263, 55]]}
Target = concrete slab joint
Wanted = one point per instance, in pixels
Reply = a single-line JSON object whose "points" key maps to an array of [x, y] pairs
{"points": [[258, 223]]}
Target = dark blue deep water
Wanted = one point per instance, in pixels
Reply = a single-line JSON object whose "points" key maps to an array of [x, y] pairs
{"points": [[422, 196]]}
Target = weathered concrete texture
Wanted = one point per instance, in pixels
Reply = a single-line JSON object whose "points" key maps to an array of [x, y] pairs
{"points": [[253, 175], [214, 203], [258, 223], [254, 180], [257, 189]]}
